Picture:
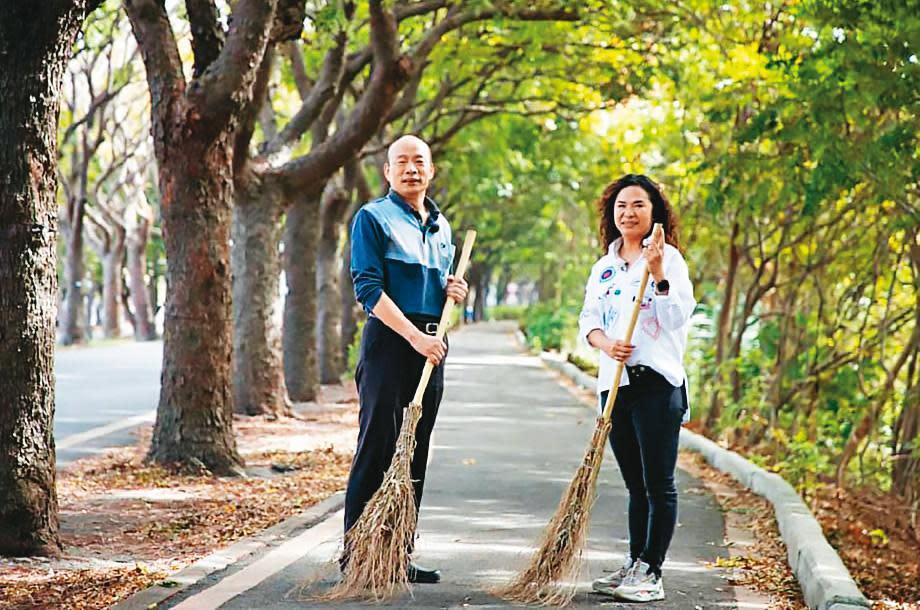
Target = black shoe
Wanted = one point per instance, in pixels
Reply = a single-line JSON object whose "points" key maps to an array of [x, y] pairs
{"points": [[418, 574]]}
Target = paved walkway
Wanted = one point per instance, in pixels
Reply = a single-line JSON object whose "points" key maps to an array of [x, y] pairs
{"points": [[507, 442]]}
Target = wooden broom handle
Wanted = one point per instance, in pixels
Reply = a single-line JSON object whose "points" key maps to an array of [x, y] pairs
{"points": [[618, 371], [445, 314]]}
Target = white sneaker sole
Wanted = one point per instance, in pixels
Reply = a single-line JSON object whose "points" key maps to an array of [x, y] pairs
{"points": [[639, 596], [604, 589]]}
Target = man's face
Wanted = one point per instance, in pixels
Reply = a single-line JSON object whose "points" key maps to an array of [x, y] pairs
{"points": [[409, 169]]}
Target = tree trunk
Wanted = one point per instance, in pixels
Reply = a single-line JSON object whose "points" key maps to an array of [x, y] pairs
{"points": [[876, 404], [723, 330], [73, 320], [329, 307], [349, 305], [136, 250], [504, 279], [193, 124], [195, 413], [301, 233], [153, 291], [258, 381], [905, 473], [113, 284], [482, 292], [92, 315], [36, 42]]}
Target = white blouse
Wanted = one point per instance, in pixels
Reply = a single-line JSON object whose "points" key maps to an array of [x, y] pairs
{"points": [[661, 331]]}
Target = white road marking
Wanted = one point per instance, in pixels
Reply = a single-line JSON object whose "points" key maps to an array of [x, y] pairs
{"points": [[271, 563], [75, 440]]}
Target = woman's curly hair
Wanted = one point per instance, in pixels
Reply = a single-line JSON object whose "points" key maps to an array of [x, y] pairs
{"points": [[661, 209]]}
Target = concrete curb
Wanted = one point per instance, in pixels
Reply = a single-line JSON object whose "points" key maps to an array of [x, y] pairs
{"points": [[188, 576], [826, 583]]}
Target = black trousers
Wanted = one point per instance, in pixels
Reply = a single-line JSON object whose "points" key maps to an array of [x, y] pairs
{"points": [[387, 376], [646, 424]]}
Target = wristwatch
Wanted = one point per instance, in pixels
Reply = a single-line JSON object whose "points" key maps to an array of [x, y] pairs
{"points": [[662, 286]]}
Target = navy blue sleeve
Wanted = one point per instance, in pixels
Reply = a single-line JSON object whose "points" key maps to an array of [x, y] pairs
{"points": [[368, 245]]}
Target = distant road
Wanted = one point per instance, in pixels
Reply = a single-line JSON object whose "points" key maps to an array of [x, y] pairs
{"points": [[103, 394]]}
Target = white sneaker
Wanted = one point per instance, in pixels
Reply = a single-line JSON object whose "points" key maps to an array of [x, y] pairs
{"points": [[640, 586], [607, 584]]}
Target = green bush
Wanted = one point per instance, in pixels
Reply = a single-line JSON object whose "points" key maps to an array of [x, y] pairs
{"points": [[354, 350], [549, 326], [506, 312], [583, 363]]}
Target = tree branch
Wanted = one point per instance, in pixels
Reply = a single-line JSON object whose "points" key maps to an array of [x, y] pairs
{"points": [[301, 80], [389, 73], [207, 35], [155, 37], [319, 95], [223, 90], [358, 60], [244, 131]]}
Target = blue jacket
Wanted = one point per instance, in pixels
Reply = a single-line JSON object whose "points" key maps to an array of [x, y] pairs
{"points": [[393, 252]]}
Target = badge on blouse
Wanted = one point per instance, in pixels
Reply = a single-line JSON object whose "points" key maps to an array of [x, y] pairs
{"points": [[607, 275]]}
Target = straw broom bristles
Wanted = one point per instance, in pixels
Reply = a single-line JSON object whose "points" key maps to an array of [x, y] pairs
{"points": [[378, 544], [558, 559]]}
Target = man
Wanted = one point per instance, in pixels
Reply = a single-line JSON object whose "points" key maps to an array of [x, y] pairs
{"points": [[401, 254]]}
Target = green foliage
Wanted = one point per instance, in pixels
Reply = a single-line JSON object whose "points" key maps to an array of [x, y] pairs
{"points": [[506, 312], [583, 363], [549, 327], [354, 350]]}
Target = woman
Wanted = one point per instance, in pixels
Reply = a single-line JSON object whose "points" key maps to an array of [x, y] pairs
{"points": [[651, 403]]}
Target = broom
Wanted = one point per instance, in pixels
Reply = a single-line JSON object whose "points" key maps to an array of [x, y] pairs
{"points": [[377, 545], [558, 559]]}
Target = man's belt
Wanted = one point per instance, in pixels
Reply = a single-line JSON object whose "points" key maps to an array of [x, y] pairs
{"points": [[429, 327]]}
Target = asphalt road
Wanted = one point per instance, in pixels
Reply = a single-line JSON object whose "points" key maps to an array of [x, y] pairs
{"points": [[103, 394]]}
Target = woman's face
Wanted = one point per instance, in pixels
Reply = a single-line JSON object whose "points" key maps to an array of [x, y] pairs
{"points": [[632, 213]]}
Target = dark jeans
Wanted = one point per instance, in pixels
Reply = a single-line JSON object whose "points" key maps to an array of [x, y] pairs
{"points": [[646, 422], [387, 376]]}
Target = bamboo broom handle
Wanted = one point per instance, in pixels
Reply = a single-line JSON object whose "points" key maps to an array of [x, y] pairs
{"points": [[445, 314], [618, 371]]}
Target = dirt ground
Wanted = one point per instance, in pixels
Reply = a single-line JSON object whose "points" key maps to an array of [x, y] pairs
{"points": [[126, 525]]}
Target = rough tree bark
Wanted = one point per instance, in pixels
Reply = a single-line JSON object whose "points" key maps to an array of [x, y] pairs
{"points": [[258, 380], [73, 315], [112, 286], [109, 245], [329, 310], [136, 254], [301, 233], [193, 124], [35, 45]]}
